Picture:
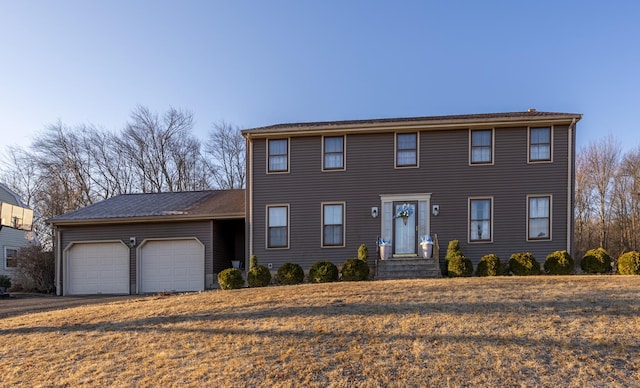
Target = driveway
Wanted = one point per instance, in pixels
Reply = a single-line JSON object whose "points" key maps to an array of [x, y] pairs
{"points": [[24, 303]]}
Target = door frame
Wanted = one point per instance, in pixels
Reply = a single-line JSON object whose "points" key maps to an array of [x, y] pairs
{"points": [[423, 219]]}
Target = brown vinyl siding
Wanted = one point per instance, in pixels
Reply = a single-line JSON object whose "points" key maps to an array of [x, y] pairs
{"points": [[229, 236], [443, 171]]}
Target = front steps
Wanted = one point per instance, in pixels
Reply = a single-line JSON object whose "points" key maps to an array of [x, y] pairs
{"points": [[407, 268]]}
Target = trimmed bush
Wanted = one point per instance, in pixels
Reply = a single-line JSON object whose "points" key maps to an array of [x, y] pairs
{"points": [[490, 265], [559, 263], [524, 264], [290, 273], [230, 278], [453, 250], [5, 281], [459, 266], [259, 275], [355, 270], [323, 272], [363, 252], [629, 263], [596, 261]]}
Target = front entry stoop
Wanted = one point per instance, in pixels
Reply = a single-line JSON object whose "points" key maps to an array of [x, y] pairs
{"points": [[407, 268]]}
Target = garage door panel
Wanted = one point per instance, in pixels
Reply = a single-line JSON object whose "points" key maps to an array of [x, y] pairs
{"points": [[172, 265], [98, 268]]}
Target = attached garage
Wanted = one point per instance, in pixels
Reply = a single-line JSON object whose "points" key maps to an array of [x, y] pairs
{"points": [[171, 265], [149, 242], [97, 268]]}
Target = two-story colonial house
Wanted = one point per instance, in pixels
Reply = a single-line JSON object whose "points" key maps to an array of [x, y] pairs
{"points": [[499, 183]]}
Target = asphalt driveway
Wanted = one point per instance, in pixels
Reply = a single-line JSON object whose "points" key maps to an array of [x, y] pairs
{"points": [[25, 303]]}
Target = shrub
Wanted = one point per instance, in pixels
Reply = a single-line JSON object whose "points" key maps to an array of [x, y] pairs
{"points": [[459, 266], [290, 273], [559, 263], [230, 278], [629, 263], [596, 261], [490, 265], [323, 272], [258, 275], [453, 250], [5, 281], [355, 270], [524, 264], [363, 252], [39, 266]]}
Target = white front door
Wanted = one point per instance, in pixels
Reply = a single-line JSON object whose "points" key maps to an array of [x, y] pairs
{"points": [[405, 216]]}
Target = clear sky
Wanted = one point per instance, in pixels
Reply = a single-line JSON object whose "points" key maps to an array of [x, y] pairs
{"points": [[257, 63]]}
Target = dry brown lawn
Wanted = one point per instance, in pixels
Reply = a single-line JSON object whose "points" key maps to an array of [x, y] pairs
{"points": [[571, 331]]}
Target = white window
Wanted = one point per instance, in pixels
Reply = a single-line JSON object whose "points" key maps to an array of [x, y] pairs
{"points": [[333, 225], [278, 226], [540, 144], [480, 213], [333, 153], [481, 146], [406, 149], [539, 218], [10, 257], [278, 155]]}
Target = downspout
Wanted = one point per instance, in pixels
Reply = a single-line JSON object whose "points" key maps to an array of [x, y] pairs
{"points": [[570, 185], [249, 204], [58, 254]]}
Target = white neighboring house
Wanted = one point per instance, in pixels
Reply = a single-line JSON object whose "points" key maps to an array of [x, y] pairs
{"points": [[11, 240]]}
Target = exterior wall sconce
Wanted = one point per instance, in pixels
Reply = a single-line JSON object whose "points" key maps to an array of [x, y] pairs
{"points": [[435, 210], [132, 242], [374, 212]]}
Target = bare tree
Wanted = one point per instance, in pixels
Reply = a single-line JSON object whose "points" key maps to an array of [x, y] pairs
{"points": [[226, 148], [163, 151], [601, 164]]}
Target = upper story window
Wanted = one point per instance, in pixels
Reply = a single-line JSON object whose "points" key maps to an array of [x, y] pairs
{"points": [[540, 144], [481, 146], [278, 226], [333, 225], [333, 153], [278, 155], [539, 218], [406, 149], [10, 257], [480, 219]]}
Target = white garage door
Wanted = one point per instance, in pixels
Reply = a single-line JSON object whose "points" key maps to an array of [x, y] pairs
{"points": [[172, 265], [98, 268]]}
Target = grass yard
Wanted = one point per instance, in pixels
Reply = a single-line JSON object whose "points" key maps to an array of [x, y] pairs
{"points": [[573, 331]]}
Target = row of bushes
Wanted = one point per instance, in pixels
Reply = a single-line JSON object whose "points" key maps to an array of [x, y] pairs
{"points": [[292, 273], [524, 263]]}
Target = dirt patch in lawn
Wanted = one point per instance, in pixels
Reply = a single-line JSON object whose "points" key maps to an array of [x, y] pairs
{"points": [[508, 331]]}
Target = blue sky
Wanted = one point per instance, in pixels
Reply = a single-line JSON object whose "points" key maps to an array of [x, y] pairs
{"points": [[256, 63]]}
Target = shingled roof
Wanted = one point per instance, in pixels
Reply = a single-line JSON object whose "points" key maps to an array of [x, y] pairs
{"points": [[188, 205], [450, 121]]}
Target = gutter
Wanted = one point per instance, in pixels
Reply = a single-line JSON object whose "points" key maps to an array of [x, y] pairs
{"points": [[131, 220]]}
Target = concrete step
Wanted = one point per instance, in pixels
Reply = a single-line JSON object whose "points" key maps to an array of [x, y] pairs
{"points": [[406, 268]]}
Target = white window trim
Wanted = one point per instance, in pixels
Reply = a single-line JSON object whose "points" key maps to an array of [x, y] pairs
{"points": [[529, 161], [493, 147], [266, 226], [288, 139], [6, 248], [534, 240], [344, 225], [395, 150], [491, 222], [344, 155]]}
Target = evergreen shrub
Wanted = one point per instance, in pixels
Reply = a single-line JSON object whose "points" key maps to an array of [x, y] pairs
{"points": [[355, 270], [323, 272], [629, 263], [230, 278], [559, 263], [490, 265], [290, 273], [524, 264], [596, 261]]}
